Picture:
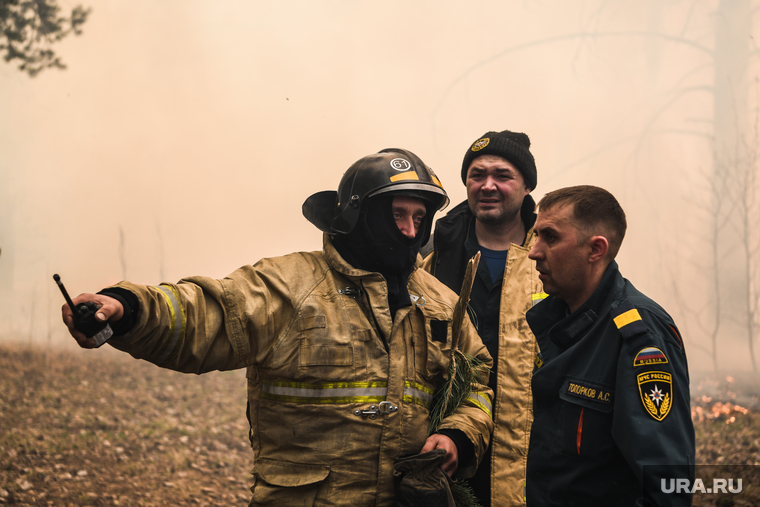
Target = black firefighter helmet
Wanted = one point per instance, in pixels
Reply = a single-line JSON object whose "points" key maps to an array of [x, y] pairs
{"points": [[392, 170]]}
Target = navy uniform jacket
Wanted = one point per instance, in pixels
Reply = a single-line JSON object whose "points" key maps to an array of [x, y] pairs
{"points": [[610, 395]]}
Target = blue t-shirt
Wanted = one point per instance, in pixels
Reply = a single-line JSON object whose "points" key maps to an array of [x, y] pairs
{"points": [[495, 260]]}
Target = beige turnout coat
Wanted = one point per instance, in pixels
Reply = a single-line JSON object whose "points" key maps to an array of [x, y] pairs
{"points": [[513, 407], [513, 404], [336, 388]]}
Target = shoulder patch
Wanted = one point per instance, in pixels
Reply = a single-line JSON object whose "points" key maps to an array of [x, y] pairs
{"points": [[656, 391], [649, 355], [628, 320]]}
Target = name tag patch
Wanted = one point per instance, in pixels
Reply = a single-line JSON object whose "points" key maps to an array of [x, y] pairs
{"points": [[588, 392]]}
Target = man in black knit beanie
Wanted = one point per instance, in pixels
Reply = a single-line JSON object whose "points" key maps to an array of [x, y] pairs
{"points": [[497, 219]]}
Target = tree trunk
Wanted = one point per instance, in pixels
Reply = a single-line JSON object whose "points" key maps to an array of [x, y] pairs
{"points": [[731, 109]]}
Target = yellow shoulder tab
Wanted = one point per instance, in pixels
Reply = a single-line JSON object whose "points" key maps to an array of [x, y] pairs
{"points": [[628, 320]]}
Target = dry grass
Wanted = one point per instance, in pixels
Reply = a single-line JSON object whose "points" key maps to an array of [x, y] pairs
{"points": [[99, 428]]}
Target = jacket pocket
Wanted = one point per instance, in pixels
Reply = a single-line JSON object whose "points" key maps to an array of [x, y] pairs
{"points": [[280, 483], [585, 419], [319, 347], [326, 355]]}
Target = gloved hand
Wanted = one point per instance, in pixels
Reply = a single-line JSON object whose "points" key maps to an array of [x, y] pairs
{"points": [[421, 482]]}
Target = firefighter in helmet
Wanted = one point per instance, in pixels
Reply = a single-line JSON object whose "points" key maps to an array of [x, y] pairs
{"points": [[343, 347]]}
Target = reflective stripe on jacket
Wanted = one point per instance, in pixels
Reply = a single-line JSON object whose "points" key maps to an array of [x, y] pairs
{"points": [[337, 390]]}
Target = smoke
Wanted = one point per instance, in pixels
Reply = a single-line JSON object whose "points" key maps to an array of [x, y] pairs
{"points": [[183, 137]]}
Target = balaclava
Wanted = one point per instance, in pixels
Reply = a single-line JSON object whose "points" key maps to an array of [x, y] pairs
{"points": [[377, 244]]}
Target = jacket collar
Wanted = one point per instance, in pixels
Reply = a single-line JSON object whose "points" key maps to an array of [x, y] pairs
{"points": [[528, 213], [336, 261], [565, 330], [456, 224], [339, 264]]}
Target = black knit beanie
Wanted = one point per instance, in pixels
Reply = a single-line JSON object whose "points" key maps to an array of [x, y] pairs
{"points": [[513, 146]]}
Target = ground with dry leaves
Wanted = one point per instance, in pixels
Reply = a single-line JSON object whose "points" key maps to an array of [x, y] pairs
{"points": [[100, 428]]}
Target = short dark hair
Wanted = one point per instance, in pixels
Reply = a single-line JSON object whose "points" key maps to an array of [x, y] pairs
{"points": [[596, 211]]}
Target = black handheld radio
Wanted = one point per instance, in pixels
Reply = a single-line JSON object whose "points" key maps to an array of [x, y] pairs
{"points": [[84, 317]]}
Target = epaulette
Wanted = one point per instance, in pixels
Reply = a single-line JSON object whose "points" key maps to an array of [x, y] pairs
{"points": [[628, 320]]}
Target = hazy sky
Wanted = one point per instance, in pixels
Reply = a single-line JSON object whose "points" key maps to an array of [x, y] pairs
{"points": [[192, 131]]}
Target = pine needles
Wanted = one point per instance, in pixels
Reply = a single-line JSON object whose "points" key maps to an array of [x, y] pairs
{"points": [[464, 371]]}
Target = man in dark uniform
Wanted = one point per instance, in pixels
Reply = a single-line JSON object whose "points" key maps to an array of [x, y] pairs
{"points": [[611, 384]]}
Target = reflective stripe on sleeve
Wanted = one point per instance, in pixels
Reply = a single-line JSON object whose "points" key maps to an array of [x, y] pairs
{"points": [[177, 324], [482, 402], [327, 393], [417, 393]]}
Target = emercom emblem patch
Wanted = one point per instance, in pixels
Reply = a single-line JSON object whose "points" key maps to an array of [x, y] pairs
{"points": [[656, 390], [480, 144], [649, 355]]}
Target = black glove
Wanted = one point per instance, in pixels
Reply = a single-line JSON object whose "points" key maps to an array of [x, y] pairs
{"points": [[420, 481]]}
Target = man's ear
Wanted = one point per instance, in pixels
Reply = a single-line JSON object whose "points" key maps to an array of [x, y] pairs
{"points": [[599, 247]]}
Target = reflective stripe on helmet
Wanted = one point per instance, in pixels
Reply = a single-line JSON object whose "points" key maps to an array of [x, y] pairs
{"points": [[409, 175]]}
